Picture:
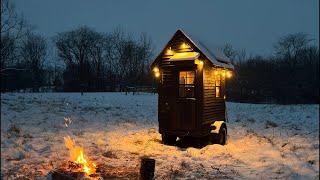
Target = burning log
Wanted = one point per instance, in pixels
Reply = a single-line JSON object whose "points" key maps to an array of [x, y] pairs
{"points": [[70, 171], [147, 168], [62, 175]]}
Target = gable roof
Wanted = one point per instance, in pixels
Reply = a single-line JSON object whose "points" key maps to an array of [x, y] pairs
{"points": [[212, 53]]}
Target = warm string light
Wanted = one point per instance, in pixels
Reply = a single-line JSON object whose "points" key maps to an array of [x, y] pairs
{"points": [[224, 73], [156, 72]]}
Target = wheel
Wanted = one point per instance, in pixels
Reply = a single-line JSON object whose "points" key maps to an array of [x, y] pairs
{"points": [[168, 139], [220, 138]]}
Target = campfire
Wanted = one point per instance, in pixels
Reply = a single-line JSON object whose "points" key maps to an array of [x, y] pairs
{"points": [[78, 157], [79, 166]]}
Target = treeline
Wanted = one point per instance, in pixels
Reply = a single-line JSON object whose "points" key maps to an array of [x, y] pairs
{"points": [[83, 59], [291, 75], [103, 62], [91, 60], [23, 53]]}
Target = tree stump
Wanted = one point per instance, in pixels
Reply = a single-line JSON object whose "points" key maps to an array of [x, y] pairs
{"points": [[147, 168]]}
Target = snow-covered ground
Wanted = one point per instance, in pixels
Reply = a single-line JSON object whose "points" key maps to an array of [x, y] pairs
{"points": [[265, 141]]}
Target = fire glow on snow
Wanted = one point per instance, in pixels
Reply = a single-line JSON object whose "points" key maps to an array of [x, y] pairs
{"points": [[287, 150]]}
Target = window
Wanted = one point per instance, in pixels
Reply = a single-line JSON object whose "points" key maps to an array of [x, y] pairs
{"points": [[218, 85], [186, 83]]}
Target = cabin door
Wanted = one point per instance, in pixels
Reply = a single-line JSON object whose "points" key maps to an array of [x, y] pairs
{"points": [[186, 101]]}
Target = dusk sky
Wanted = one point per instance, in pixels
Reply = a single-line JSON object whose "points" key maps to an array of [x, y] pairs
{"points": [[254, 25]]}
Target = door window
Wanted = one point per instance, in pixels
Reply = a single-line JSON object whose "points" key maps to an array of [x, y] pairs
{"points": [[186, 83]]}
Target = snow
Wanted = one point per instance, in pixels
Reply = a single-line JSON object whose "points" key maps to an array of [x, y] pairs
{"points": [[211, 51], [265, 140]]}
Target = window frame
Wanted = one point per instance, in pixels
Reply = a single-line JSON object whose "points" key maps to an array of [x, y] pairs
{"points": [[217, 79], [186, 85]]}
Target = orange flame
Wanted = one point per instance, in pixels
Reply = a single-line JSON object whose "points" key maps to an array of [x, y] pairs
{"points": [[77, 156]]}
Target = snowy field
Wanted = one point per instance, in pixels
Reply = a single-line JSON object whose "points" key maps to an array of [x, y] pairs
{"points": [[265, 141]]}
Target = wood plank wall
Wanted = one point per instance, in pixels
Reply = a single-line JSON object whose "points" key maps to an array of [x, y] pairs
{"points": [[213, 107]]}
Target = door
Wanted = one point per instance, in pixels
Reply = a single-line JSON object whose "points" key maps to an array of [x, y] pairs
{"points": [[186, 100]]}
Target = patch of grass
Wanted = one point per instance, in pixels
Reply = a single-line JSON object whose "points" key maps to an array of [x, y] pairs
{"points": [[89, 108], [110, 154], [271, 124], [175, 173], [184, 165], [251, 120], [107, 108], [311, 162], [14, 130]]}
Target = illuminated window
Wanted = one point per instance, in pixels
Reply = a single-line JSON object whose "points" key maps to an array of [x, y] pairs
{"points": [[186, 83], [218, 85]]}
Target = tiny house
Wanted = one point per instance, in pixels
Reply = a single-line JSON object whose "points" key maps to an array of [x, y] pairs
{"points": [[191, 78]]}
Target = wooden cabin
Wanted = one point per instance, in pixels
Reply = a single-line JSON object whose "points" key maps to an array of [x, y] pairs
{"points": [[191, 90]]}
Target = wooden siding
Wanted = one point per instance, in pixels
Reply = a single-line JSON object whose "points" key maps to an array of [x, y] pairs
{"points": [[183, 114], [213, 107], [175, 114]]}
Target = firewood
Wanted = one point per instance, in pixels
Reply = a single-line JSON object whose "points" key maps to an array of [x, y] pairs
{"points": [[66, 175]]}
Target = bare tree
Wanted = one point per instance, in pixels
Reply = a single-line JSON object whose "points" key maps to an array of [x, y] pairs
{"points": [[13, 29], [241, 56], [289, 46], [229, 51], [7, 51], [97, 53], [80, 48], [12, 23], [33, 53], [131, 56]]}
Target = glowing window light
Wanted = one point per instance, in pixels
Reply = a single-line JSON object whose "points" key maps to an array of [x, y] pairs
{"points": [[216, 72], [229, 74]]}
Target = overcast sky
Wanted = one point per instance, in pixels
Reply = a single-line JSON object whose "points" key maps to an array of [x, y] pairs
{"points": [[251, 24]]}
